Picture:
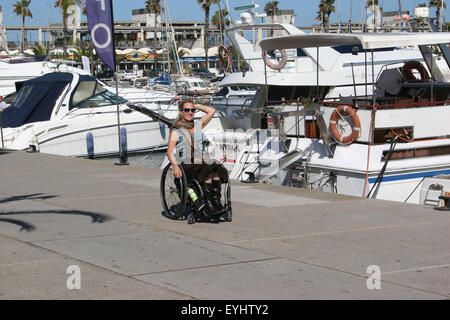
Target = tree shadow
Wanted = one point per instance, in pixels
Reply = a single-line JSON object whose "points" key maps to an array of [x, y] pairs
{"points": [[23, 225], [96, 217], [33, 196]]}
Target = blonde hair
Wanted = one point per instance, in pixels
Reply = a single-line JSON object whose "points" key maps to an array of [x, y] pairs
{"points": [[180, 122]]}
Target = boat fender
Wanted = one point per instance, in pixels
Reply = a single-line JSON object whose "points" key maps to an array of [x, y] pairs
{"points": [[275, 66], [34, 144], [335, 132], [123, 139], [162, 126], [90, 145], [414, 65]]}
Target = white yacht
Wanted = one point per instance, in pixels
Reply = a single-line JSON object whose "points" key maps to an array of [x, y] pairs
{"points": [[193, 86], [26, 68], [379, 145], [291, 74], [75, 115]]}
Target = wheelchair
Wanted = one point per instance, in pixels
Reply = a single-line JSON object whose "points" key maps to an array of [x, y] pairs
{"points": [[176, 200]]}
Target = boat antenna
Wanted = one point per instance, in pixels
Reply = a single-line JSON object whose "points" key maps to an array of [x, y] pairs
{"points": [[172, 38], [350, 18]]}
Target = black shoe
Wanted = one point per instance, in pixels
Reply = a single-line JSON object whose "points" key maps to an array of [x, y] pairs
{"points": [[208, 199], [217, 195]]}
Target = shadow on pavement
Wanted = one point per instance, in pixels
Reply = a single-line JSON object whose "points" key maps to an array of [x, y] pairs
{"points": [[33, 196], [23, 225], [96, 217]]}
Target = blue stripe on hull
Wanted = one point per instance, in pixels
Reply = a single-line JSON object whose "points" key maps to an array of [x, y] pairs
{"points": [[410, 176]]}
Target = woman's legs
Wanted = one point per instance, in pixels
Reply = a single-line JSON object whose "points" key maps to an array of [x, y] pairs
{"points": [[212, 187]]}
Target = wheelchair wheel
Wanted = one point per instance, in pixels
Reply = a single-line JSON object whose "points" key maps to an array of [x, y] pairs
{"points": [[227, 203], [173, 193]]}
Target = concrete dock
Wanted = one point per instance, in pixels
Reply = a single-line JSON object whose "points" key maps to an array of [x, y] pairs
{"points": [[283, 243]]}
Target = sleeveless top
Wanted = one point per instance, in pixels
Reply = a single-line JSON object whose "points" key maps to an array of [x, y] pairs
{"points": [[185, 150]]}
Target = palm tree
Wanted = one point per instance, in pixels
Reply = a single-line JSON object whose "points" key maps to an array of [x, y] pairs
{"points": [[219, 21], [39, 50], [21, 9], [326, 7], [206, 5], [271, 9], [154, 6], [84, 50], [64, 6], [438, 4]]}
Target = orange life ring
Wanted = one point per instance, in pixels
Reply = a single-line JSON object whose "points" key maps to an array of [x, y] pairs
{"points": [[414, 65], [337, 135], [225, 58], [278, 66]]}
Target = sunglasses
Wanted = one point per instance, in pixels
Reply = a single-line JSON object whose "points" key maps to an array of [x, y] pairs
{"points": [[189, 110]]}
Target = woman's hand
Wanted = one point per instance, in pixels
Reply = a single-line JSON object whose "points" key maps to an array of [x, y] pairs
{"points": [[177, 172]]}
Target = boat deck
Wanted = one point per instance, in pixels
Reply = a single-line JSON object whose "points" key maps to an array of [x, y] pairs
{"points": [[283, 243]]}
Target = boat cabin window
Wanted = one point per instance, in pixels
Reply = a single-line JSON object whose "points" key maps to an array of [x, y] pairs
{"points": [[84, 90], [22, 95], [91, 94], [199, 84]]}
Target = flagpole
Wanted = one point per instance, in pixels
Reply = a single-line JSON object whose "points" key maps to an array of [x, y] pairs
{"points": [[122, 156]]}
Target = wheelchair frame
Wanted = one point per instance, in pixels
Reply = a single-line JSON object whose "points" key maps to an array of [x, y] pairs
{"points": [[175, 198]]}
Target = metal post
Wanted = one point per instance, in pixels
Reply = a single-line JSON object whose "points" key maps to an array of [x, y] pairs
{"points": [[1, 129], [373, 80], [431, 71], [265, 112], [122, 157], [317, 73], [365, 67], [339, 16]]}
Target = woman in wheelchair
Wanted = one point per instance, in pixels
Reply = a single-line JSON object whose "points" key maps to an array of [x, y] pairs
{"points": [[187, 138]]}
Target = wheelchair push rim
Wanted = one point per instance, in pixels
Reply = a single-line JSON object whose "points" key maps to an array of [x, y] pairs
{"points": [[173, 193]]}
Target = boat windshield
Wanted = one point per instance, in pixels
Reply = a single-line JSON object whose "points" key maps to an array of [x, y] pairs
{"points": [[91, 94], [200, 84]]}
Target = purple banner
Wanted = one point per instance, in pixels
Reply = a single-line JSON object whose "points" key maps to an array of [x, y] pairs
{"points": [[100, 23]]}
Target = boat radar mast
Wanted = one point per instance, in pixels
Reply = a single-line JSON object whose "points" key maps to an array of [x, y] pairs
{"points": [[249, 15]]}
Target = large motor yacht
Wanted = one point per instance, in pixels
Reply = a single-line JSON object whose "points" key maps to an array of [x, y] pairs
{"points": [[379, 145]]}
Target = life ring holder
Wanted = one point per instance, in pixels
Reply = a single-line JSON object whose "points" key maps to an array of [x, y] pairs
{"points": [[414, 65], [275, 66], [337, 135], [225, 58]]}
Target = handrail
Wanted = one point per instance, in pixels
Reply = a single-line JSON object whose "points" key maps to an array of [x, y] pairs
{"points": [[385, 106]]}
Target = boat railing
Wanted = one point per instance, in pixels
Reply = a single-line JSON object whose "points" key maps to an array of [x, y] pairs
{"points": [[399, 104]]}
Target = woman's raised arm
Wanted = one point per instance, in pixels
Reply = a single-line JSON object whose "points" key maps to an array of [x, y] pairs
{"points": [[210, 111]]}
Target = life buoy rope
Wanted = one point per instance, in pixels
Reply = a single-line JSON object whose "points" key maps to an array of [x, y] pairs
{"points": [[225, 58], [275, 66], [414, 65], [337, 135]]}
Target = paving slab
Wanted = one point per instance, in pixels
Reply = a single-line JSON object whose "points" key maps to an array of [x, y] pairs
{"points": [[277, 279], [150, 251], [29, 272], [432, 278]]}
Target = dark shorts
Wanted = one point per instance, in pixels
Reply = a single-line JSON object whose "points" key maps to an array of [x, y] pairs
{"points": [[204, 171]]}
